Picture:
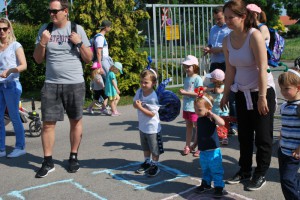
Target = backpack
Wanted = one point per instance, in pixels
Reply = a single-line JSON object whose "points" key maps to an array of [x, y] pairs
{"points": [[275, 48], [92, 45], [169, 101]]}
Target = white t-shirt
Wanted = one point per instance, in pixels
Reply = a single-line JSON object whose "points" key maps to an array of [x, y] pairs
{"points": [[8, 59], [101, 42], [149, 125]]}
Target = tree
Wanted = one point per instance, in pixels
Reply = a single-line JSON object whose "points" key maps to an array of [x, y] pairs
{"points": [[123, 39], [293, 9], [29, 12]]}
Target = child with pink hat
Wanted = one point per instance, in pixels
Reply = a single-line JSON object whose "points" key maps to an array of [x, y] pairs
{"points": [[97, 85]]}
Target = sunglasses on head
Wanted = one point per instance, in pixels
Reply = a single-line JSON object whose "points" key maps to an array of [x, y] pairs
{"points": [[4, 29], [54, 11]]}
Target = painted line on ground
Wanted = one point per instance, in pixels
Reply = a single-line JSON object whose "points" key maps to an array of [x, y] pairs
{"points": [[18, 194], [136, 186]]}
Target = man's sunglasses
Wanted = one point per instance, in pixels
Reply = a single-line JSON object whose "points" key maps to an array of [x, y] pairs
{"points": [[54, 11], [4, 29]]}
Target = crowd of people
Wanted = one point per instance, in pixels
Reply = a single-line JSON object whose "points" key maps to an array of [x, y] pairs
{"points": [[238, 78]]}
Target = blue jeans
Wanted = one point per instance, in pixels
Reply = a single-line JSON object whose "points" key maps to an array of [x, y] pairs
{"points": [[288, 169], [211, 165], [10, 93]]}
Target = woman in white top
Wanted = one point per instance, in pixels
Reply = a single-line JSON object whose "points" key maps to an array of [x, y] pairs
{"points": [[12, 62]]}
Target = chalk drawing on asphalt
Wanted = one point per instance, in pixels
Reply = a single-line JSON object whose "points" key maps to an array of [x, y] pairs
{"points": [[18, 193], [126, 175]]}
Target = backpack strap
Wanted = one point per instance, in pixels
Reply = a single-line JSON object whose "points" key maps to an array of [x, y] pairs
{"points": [[50, 27], [73, 27], [260, 25]]}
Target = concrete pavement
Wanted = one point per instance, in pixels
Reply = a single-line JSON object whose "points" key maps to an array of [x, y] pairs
{"points": [[109, 153]]}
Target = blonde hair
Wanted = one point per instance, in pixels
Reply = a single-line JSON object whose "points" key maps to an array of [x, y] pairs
{"points": [[289, 78], [94, 73], [207, 104], [11, 36], [196, 68]]}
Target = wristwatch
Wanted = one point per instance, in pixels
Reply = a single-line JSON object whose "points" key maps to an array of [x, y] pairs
{"points": [[79, 44]]}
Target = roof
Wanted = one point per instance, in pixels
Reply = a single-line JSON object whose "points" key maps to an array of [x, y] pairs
{"points": [[286, 21]]}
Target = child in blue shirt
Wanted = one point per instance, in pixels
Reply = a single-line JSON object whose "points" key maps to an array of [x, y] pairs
{"points": [[289, 150]]}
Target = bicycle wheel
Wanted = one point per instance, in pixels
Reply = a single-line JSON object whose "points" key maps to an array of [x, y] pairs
{"points": [[35, 128]]}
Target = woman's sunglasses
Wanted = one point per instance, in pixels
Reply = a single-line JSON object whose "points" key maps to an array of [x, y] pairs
{"points": [[4, 29], [54, 11]]}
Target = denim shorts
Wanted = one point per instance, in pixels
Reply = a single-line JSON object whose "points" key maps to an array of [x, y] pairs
{"points": [[57, 98], [149, 142]]}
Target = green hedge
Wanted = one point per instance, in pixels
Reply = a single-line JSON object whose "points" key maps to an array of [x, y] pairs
{"points": [[33, 78]]}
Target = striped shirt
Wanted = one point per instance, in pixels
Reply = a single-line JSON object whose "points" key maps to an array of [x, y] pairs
{"points": [[290, 130]]}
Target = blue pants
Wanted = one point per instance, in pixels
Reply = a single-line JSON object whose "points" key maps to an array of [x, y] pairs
{"points": [[10, 94], [211, 165], [288, 169]]}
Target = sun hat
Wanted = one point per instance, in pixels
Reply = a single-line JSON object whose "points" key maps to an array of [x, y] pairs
{"points": [[96, 65], [190, 60], [254, 7], [105, 23], [119, 66], [216, 74]]}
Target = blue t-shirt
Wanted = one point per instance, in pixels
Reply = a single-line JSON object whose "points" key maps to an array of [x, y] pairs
{"points": [[216, 36], [207, 134], [217, 99], [190, 83]]}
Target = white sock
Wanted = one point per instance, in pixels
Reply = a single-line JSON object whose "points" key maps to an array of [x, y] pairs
{"points": [[147, 160], [154, 162]]}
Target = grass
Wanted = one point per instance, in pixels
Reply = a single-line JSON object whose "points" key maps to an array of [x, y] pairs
{"points": [[291, 49]]}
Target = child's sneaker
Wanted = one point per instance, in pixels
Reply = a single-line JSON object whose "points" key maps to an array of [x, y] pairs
{"points": [[114, 114], [218, 192], [203, 187], [197, 153], [225, 141], [90, 110], [186, 150], [143, 168], [2, 153], [153, 170], [104, 111]]}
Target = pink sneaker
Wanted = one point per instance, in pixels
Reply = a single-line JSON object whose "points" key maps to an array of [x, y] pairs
{"points": [[117, 112], [114, 114]]}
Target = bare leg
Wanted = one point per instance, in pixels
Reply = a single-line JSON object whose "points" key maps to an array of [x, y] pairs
{"points": [[48, 137], [147, 154], [189, 132], [75, 134], [113, 105], [92, 104], [155, 158]]}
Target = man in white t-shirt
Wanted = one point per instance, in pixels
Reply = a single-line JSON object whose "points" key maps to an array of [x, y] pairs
{"points": [[101, 46]]}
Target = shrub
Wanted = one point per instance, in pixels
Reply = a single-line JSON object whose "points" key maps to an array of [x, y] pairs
{"points": [[294, 30]]}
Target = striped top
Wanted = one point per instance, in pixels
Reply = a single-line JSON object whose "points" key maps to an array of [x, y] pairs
{"points": [[290, 130]]}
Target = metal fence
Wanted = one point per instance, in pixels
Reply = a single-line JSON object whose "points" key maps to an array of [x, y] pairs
{"points": [[175, 31]]}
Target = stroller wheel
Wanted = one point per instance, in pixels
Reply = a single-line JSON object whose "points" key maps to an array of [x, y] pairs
{"points": [[35, 128]]}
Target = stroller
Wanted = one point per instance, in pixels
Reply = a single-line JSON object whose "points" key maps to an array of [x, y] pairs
{"points": [[35, 125]]}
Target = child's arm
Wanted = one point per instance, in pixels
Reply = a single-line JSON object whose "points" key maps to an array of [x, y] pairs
{"points": [[100, 82], [218, 90], [138, 105], [186, 93], [115, 85], [217, 119]]}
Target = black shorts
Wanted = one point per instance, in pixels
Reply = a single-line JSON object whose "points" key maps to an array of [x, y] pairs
{"points": [[57, 98], [98, 93]]}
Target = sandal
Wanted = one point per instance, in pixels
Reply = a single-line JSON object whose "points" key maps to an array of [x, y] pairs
{"points": [[225, 141], [197, 153], [186, 150]]}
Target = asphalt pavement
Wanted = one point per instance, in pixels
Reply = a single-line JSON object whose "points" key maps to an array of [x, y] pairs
{"points": [[109, 154]]}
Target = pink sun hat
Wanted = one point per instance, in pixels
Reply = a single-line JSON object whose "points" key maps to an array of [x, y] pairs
{"points": [[216, 74], [96, 65], [254, 7], [190, 60]]}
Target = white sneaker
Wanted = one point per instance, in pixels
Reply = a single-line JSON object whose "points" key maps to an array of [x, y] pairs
{"points": [[90, 110], [2, 153], [16, 153]]}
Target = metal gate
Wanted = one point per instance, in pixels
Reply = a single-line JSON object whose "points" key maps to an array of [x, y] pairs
{"points": [[175, 31]]}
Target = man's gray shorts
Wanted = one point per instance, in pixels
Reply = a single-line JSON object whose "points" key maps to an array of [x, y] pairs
{"points": [[57, 98], [149, 142]]}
